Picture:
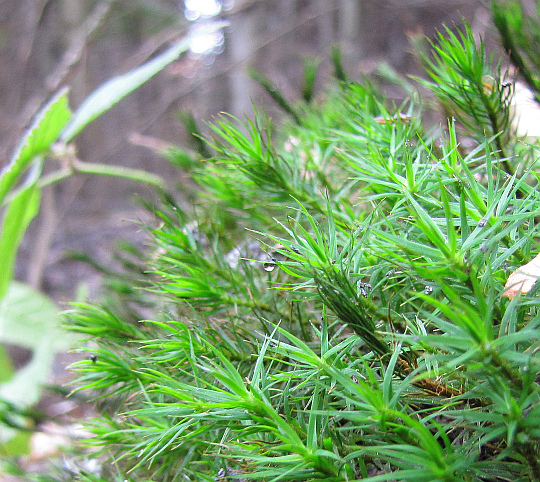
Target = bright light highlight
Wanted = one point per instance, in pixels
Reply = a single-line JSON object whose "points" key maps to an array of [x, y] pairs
{"points": [[202, 13], [204, 43], [196, 9]]}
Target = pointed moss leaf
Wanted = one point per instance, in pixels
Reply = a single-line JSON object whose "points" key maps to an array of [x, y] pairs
{"points": [[115, 89], [22, 209], [42, 133]]}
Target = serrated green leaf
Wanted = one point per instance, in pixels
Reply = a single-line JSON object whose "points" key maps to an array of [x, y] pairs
{"points": [[38, 138]]}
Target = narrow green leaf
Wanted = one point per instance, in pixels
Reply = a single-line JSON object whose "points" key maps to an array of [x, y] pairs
{"points": [[430, 228], [38, 138], [115, 89], [20, 212]]}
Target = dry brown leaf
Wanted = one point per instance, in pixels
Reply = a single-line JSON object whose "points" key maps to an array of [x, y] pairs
{"points": [[523, 279]]}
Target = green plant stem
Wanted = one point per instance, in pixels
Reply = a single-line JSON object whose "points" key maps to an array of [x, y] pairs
{"points": [[530, 454], [495, 128], [511, 48], [80, 167], [274, 92], [510, 374], [257, 306]]}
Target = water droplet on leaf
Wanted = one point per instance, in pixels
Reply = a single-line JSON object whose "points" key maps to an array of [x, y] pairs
{"points": [[269, 266]]}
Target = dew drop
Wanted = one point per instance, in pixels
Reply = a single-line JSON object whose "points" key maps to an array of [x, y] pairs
{"points": [[269, 266]]}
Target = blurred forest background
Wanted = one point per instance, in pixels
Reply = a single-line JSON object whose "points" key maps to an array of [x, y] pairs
{"points": [[45, 44]]}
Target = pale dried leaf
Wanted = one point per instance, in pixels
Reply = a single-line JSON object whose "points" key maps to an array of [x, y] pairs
{"points": [[526, 112], [523, 279]]}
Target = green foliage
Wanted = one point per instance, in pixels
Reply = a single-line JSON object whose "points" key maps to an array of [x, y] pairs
{"points": [[276, 95], [520, 38], [27, 319], [332, 306], [471, 87], [21, 309], [24, 204], [37, 140], [115, 89], [54, 127]]}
